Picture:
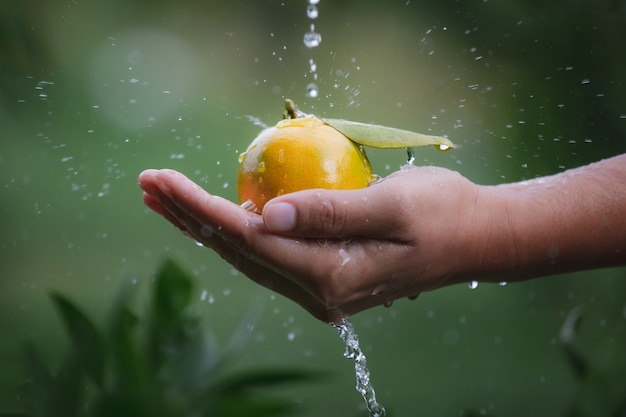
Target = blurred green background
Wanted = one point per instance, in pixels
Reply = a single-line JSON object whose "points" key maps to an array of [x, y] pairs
{"points": [[93, 92]]}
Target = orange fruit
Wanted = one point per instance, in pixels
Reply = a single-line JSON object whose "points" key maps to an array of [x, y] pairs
{"points": [[299, 154]]}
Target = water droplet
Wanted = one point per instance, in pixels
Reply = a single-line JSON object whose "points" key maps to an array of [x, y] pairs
{"points": [[312, 12], [441, 147], [312, 90], [314, 1], [502, 283], [472, 285], [345, 256], [312, 39], [206, 231], [249, 205], [379, 289]]}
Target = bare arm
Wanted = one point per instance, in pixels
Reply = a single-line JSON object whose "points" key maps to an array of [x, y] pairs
{"points": [[419, 229], [570, 221]]}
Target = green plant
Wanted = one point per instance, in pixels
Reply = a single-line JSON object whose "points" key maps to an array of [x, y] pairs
{"points": [[158, 366]]}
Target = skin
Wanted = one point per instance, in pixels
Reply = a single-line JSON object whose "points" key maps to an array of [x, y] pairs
{"points": [[419, 229]]}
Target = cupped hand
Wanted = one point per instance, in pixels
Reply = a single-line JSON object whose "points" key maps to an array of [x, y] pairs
{"points": [[333, 252]]}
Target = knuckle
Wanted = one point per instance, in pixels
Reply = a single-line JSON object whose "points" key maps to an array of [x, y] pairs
{"points": [[330, 217]]}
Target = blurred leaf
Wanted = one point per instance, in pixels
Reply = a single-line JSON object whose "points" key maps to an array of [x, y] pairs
{"points": [[163, 365], [258, 407], [377, 136], [264, 378], [127, 367], [172, 291], [168, 328], [50, 395], [86, 341], [36, 389], [601, 374], [567, 337], [189, 373], [129, 404], [234, 395]]}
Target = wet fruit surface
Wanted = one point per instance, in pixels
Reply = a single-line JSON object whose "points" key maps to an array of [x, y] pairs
{"points": [[299, 154]]}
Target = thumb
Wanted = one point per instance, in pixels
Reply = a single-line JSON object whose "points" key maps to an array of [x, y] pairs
{"points": [[331, 213]]}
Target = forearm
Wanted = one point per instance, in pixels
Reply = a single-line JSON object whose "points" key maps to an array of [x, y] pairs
{"points": [[575, 220]]}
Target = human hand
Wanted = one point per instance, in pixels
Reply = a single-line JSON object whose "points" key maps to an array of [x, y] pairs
{"points": [[335, 252]]}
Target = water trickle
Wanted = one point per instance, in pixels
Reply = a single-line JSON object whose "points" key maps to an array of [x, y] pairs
{"points": [[363, 382]]}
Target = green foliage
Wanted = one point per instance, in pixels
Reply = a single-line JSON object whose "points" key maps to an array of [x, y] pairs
{"points": [[160, 366], [601, 376]]}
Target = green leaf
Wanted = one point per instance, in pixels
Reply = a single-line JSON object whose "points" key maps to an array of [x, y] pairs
{"points": [[169, 329], [253, 407], [172, 292], [130, 404], [189, 372], [377, 136], [128, 371], [35, 392], [86, 341], [263, 378], [51, 395]]}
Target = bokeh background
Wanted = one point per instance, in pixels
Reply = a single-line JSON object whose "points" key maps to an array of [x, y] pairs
{"points": [[93, 92]]}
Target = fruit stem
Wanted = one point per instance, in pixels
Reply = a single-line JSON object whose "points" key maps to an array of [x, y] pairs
{"points": [[291, 110]]}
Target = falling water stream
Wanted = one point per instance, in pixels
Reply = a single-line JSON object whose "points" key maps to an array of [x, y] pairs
{"points": [[312, 40], [353, 351], [363, 383]]}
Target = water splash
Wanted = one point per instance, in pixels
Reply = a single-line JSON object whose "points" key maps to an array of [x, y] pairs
{"points": [[354, 352]]}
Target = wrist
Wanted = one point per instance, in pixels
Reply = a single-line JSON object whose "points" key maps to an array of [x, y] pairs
{"points": [[490, 237]]}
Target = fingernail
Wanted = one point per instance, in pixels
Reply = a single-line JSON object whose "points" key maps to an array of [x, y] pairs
{"points": [[279, 217]]}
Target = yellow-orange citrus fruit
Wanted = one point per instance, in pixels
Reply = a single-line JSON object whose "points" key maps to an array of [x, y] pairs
{"points": [[299, 154]]}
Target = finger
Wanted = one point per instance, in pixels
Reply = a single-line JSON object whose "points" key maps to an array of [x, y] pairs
{"points": [[369, 212], [183, 206], [187, 200], [154, 204]]}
